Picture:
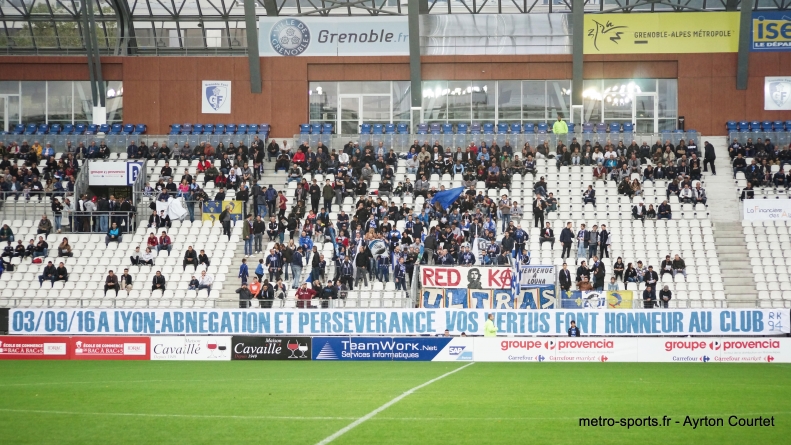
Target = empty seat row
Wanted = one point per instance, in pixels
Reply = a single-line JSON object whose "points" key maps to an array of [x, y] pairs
{"points": [[69, 129], [758, 126], [262, 129]]}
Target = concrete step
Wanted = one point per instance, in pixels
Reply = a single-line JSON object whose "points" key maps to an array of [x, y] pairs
{"points": [[732, 249]]}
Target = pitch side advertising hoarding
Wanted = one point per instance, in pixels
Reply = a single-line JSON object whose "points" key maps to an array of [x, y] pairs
{"points": [[767, 209], [50, 348], [270, 348], [397, 322], [191, 348], [393, 348]]}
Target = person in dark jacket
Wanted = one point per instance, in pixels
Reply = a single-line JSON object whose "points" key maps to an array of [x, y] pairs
{"points": [[158, 282], [190, 257], [362, 261], [244, 296], [50, 272], [573, 329], [566, 238], [664, 296], [649, 298], [708, 158], [111, 282], [564, 276]]}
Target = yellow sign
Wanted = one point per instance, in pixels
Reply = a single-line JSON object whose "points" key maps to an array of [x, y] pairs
{"points": [[662, 33], [619, 299], [211, 210]]}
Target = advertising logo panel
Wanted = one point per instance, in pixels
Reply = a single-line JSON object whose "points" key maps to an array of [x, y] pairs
{"points": [[270, 348], [191, 348], [771, 31], [392, 348], [50, 348], [110, 348]]}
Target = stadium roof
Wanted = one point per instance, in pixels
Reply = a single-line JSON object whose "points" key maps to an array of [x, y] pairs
{"points": [[217, 26]]}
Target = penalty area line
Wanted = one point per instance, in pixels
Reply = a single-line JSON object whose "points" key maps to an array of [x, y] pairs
{"points": [[373, 413]]}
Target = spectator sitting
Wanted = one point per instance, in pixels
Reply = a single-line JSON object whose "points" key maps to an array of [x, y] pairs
{"points": [[42, 248], [679, 266], [193, 284], [666, 267], [50, 272], [203, 259], [304, 294], [589, 196], [44, 226], [125, 281], [651, 212], [664, 296], [64, 249], [6, 234], [585, 284], [613, 285], [114, 235], [147, 258], [61, 274], [8, 251], [686, 196], [205, 281], [190, 257], [164, 242], [739, 164], [162, 220], [638, 211], [20, 250], [158, 283], [111, 282], [747, 192], [664, 211]]}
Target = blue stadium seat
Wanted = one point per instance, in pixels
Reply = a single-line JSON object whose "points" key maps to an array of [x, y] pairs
{"points": [[18, 129], [315, 128], [116, 129], [186, 129], [378, 129], [230, 129], [67, 129], [92, 129], [252, 129], [628, 127], [325, 129], [744, 125], [571, 127], [128, 129], [755, 126], [422, 128], [615, 127], [197, 129], [54, 129], [502, 128], [788, 125], [601, 127], [219, 129], [542, 127], [587, 127], [241, 128], [447, 128], [766, 126], [175, 128], [140, 129], [390, 129], [516, 128], [488, 128], [461, 128], [731, 126], [529, 128], [31, 129], [304, 128], [80, 129], [402, 128], [42, 129], [365, 128], [104, 128], [475, 128], [263, 129], [208, 128], [778, 125], [435, 128]]}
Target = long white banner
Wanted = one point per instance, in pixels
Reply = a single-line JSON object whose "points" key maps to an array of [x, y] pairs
{"points": [[767, 209], [341, 36], [396, 322]]}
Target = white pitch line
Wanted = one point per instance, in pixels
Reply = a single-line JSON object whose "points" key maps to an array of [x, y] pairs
{"points": [[368, 416]]}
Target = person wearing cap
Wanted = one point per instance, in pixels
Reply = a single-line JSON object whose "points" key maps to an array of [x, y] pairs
{"points": [[573, 330], [489, 329]]}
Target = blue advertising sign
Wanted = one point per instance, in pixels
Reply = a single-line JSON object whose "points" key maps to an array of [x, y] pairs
{"points": [[771, 31], [383, 348]]}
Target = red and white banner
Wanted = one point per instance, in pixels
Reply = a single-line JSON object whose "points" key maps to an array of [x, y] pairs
{"points": [[704, 350], [474, 277], [18, 347], [110, 348]]}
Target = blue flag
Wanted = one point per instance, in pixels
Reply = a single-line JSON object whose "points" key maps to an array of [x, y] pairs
{"points": [[446, 198]]}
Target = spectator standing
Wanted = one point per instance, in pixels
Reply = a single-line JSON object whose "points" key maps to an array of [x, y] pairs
{"points": [[573, 330], [564, 277], [247, 235], [244, 271], [244, 296], [259, 227], [296, 266], [649, 298], [304, 294], [566, 238]]}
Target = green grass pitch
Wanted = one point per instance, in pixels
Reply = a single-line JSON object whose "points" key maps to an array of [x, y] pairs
{"points": [[85, 402]]}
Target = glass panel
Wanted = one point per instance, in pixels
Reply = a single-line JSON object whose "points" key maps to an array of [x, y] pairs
{"points": [[459, 99], [483, 100], [434, 101], [365, 87], [34, 99], [617, 108], [323, 97], [13, 110], [3, 122], [644, 107], [592, 100], [558, 98], [509, 96], [402, 101], [668, 98], [376, 108], [350, 115], [9, 87], [644, 126], [59, 107], [115, 102], [82, 103], [667, 124], [534, 100]]}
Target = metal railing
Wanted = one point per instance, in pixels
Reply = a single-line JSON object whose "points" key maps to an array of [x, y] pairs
{"points": [[68, 221], [778, 137]]}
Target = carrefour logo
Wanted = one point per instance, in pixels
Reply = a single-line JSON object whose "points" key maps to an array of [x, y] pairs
{"points": [[289, 37]]}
